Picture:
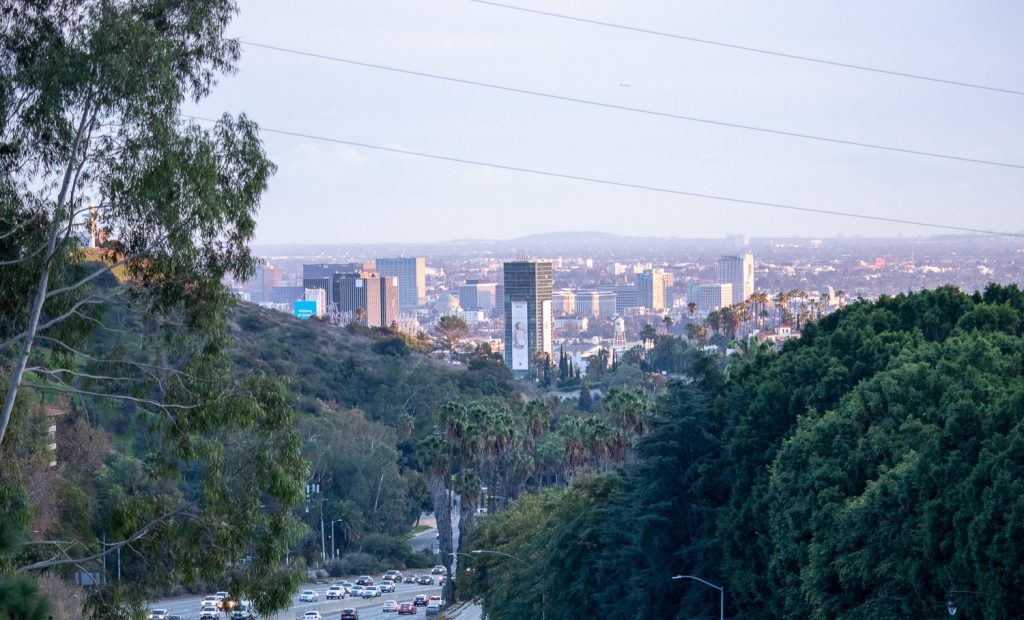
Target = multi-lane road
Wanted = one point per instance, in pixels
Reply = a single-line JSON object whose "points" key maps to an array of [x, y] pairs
{"points": [[369, 609]]}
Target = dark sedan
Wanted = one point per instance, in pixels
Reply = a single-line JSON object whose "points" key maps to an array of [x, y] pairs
{"points": [[425, 580]]}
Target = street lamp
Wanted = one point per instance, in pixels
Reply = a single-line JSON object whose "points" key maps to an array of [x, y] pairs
{"points": [[721, 592], [334, 553], [951, 600], [543, 597]]}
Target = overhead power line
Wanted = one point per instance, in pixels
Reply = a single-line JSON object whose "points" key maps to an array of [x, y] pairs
{"points": [[755, 50], [625, 108], [624, 184]]}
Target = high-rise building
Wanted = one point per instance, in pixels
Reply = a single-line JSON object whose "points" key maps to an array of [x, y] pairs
{"points": [[650, 288], [477, 295], [326, 270], [372, 299], [738, 271], [412, 279], [322, 276], [596, 303], [714, 297], [286, 294], [260, 288], [625, 297], [528, 322]]}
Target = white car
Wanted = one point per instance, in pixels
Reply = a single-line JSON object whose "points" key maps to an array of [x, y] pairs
{"points": [[387, 586], [209, 612], [335, 592], [209, 600], [370, 591], [356, 591], [309, 596], [390, 606], [312, 615], [157, 614]]}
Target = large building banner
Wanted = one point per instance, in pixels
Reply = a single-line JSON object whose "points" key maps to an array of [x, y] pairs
{"points": [[520, 336], [548, 327]]}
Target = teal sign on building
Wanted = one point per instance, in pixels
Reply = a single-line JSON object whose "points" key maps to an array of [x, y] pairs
{"points": [[305, 309]]}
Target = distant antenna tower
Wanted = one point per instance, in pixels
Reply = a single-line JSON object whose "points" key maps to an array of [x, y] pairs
{"points": [[522, 255]]}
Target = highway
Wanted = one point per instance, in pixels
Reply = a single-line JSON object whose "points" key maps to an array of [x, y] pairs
{"points": [[188, 607]]}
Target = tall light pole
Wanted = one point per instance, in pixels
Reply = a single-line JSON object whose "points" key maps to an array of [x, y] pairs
{"points": [[334, 552], [543, 597], [721, 592]]}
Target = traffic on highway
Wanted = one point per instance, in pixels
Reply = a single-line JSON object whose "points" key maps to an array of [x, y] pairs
{"points": [[414, 593]]}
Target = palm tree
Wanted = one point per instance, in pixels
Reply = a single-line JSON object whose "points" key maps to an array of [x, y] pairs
{"points": [[352, 521], [648, 333], [714, 321], [467, 486], [433, 456], [629, 409]]}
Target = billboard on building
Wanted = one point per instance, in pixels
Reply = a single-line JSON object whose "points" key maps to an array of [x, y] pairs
{"points": [[305, 309], [520, 336], [548, 326]]}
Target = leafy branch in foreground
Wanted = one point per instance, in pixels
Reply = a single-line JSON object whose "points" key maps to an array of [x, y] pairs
{"points": [[210, 467]]}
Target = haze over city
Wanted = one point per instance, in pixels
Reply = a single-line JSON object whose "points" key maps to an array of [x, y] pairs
{"points": [[322, 189]]}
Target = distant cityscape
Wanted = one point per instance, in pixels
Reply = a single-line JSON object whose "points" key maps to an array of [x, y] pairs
{"points": [[604, 297]]}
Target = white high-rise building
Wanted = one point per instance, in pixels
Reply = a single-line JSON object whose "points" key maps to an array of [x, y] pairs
{"points": [[738, 271], [714, 297]]}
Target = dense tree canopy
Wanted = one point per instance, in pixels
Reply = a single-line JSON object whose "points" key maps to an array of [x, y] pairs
{"points": [[865, 471]]}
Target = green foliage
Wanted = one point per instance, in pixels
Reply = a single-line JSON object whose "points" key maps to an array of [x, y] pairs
{"points": [[865, 471], [20, 599], [585, 402]]}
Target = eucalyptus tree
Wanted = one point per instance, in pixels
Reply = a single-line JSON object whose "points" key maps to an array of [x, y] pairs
{"points": [[91, 94]]}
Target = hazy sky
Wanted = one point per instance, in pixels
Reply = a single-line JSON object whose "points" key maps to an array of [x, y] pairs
{"points": [[333, 193]]}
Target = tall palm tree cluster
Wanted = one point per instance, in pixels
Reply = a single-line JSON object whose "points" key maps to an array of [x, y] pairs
{"points": [[794, 307], [508, 448]]}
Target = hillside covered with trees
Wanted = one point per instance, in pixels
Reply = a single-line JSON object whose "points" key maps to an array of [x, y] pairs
{"points": [[867, 470]]}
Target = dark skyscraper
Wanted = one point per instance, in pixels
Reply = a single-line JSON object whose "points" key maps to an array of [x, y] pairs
{"points": [[322, 275], [528, 321], [375, 296]]}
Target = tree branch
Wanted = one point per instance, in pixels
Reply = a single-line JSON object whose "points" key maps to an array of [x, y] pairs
{"points": [[44, 276], [109, 548]]}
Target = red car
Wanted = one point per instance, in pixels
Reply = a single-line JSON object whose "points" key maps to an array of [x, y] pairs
{"points": [[407, 609], [349, 614], [420, 600]]}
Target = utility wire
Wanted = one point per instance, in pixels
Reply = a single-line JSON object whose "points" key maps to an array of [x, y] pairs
{"points": [[625, 108], [756, 50], [610, 182]]}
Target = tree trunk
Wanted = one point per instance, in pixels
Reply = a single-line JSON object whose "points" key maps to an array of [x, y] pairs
{"points": [[467, 513], [44, 277], [443, 515]]}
